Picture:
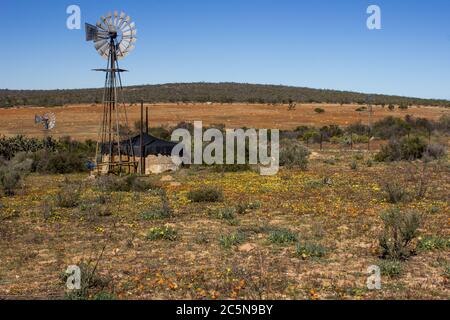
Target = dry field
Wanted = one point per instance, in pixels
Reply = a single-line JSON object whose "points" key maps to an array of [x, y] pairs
{"points": [[330, 206], [81, 121]]}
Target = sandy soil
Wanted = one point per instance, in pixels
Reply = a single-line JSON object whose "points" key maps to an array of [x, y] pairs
{"points": [[81, 121]]}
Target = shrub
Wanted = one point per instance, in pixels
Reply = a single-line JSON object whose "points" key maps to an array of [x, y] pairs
{"points": [[435, 151], [58, 162], [431, 243], [282, 236], [358, 128], [319, 110], [244, 207], [390, 268], [9, 181], [394, 192], [294, 154], [157, 214], [354, 165], [232, 239], [400, 229], [207, 194], [405, 149], [162, 233], [390, 128], [13, 171], [412, 148], [228, 214], [310, 249], [68, 197], [89, 280]]}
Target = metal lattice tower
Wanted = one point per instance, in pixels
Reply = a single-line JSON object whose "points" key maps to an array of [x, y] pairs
{"points": [[113, 38]]}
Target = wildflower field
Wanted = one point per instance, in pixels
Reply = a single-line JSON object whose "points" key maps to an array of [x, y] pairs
{"points": [[302, 234]]}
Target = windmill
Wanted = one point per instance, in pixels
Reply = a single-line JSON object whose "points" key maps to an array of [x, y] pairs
{"points": [[113, 37], [47, 120]]}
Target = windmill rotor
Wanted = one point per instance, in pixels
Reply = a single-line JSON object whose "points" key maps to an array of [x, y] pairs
{"points": [[47, 120], [113, 33]]}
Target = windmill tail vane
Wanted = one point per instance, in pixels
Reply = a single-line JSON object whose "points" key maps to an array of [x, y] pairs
{"points": [[113, 37]]}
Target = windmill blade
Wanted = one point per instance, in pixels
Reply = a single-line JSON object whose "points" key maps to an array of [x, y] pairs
{"points": [[100, 44], [104, 50], [100, 26], [128, 27], [116, 15], [124, 22], [129, 33], [123, 47]]}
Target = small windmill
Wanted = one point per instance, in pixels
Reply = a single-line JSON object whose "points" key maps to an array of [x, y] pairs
{"points": [[47, 120], [113, 37]]}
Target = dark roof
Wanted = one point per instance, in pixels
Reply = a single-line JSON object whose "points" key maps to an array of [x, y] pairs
{"points": [[151, 146]]}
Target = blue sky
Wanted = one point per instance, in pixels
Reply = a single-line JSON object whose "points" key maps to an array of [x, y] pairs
{"points": [[311, 43]]}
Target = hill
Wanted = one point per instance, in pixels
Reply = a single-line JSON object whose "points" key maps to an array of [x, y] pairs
{"points": [[203, 92]]}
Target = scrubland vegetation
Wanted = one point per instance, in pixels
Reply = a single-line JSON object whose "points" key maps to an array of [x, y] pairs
{"points": [[213, 232], [209, 92]]}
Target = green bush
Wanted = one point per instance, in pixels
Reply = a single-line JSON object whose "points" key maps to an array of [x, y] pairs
{"points": [[390, 268], [282, 236], [310, 249], [163, 212], [405, 149], [390, 128], [162, 233], [319, 110], [431, 243], [156, 214], [9, 181], [244, 207], [394, 192], [58, 162], [400, 229], [12, 173], [232, 239], [294, 154], [90, 280], [68, 197], [228, 214], [208, 194]]}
